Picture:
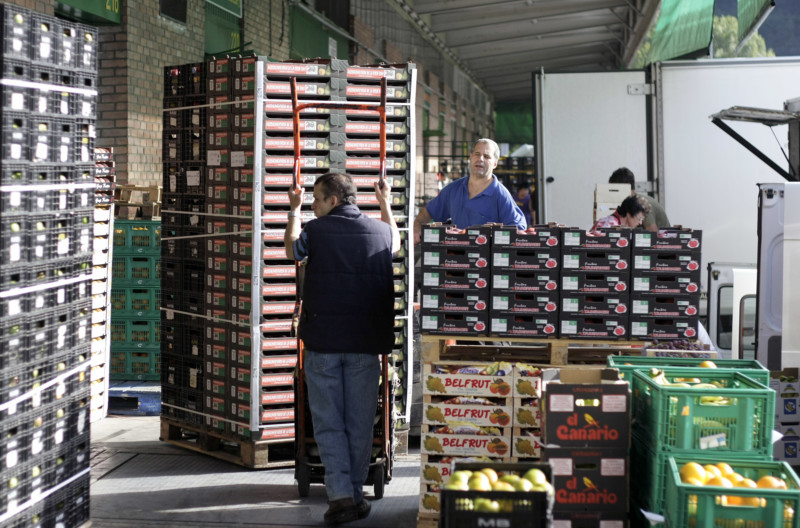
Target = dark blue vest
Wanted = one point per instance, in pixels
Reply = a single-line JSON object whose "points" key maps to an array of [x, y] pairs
{"points": [[348, 292]]}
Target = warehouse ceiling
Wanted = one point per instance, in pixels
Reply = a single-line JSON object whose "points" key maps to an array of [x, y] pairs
{"points": [[500, 42]]}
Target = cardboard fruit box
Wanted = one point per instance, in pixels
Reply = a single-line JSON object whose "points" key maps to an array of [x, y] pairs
{"points": [[525, 258], [586, 407], [616, 237], [486, 385], [525, 281], [466, 444], [537, 236], [435, 235], [589, 478], [682, 239], [480, 415]]}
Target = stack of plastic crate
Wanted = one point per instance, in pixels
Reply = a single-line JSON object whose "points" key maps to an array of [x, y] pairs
{"points": [[47, 215], [217, 147], [135, 301], [105, 180]]}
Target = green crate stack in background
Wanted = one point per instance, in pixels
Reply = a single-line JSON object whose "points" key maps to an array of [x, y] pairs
{"points": [[136, 301]]}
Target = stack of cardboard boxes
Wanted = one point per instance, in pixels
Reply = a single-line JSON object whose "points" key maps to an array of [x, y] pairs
{"points": [[587, 424]]}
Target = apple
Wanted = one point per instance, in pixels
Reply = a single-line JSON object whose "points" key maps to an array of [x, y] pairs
{"points": [[486, 505], [502, 486], [523, 485], [511, 479], [492, 474], [479, 482], [462, 475], [536, 476]]}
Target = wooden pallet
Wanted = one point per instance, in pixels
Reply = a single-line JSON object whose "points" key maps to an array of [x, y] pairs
{"points": [[247, 453], [427, 520], [532, 350]]}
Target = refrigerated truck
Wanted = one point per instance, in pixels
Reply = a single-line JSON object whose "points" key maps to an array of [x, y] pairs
{"points": [[660, 123]]}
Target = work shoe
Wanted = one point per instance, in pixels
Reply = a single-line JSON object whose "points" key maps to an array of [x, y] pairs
{"points": [[363, 508], [341, 511]]}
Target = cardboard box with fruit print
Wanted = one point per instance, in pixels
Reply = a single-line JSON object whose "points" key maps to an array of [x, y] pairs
{"points": [[467, 379], [465, 441], [482, 413], [526, 443], [430, 498]]}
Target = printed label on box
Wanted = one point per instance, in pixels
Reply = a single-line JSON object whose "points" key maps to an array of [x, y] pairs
{"points": [[562, 403], [615, 403]]}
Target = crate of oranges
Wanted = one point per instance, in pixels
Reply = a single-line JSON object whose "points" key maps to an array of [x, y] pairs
{"points": [[731, 494]]}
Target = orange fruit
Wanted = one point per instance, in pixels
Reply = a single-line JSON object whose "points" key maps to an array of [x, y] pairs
{"points": [[693, 470], [746, 483], [731, 500], [693, 481], [770, 482], [712, 471], [719, 481], [725, 469], [735, 478]]}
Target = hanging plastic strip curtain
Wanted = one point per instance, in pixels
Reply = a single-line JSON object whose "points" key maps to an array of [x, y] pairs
{"points": [[683, 30], [751, 14]]}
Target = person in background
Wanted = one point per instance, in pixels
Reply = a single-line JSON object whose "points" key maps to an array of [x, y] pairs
{"points": [[630, 213], [657, 218], [524, 201], [477, 200], [346, 322]]}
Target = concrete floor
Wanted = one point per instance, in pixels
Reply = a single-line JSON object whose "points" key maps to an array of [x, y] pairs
{"points": [[139, 481]]}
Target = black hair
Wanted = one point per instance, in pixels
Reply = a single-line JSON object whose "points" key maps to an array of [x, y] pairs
{"points": [[622, 175], [337, 184], [633, 205]]}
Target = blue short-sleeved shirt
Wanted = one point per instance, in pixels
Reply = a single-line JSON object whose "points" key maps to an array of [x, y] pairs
{"points": [[494, 204]]}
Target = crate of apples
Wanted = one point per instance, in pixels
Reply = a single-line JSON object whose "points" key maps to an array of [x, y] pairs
{"points": [[519, 494]]}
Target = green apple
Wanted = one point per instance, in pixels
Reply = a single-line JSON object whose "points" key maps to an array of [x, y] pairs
{"points": [[511, 479], [536, 476], [492, 474], [502, 486], [459, 485], [460, 475], [486, 505], [523, 484], [479, 482]]}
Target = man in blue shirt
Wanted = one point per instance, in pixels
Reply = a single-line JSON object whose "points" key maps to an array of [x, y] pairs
{"points": [[476, 200]]}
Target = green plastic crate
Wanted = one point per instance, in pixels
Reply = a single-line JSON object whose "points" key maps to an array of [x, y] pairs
{"points": [[702, 506], [137, 237], [627, 364], [135, 365], [649, 473], [136, 302], [135, 333], [130, 271], [677, 419]]}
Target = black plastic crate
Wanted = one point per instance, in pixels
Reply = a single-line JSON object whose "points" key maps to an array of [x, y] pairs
{"points": [[14, 174], [49, 237], [44, 139], [13, 239], [15, 138], [44, 39], [16, 98], [526, 509], [48, 200], [51, 77], [16, 32], [86, 52], [14, 202], [85, 135], [51, 174]]}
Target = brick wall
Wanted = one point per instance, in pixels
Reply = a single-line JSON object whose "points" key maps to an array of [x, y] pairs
{"points": [[131, 82], [266, 27], [131, 73], [46, 7]]}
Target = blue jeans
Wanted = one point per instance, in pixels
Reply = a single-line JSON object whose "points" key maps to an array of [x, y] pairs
{"points": [[343, 399]]}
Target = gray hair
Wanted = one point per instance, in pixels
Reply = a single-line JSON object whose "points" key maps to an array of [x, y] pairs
{"points": [[494, 147]]}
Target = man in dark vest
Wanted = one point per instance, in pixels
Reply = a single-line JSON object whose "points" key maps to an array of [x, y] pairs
{"points": [[347, 320]]}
